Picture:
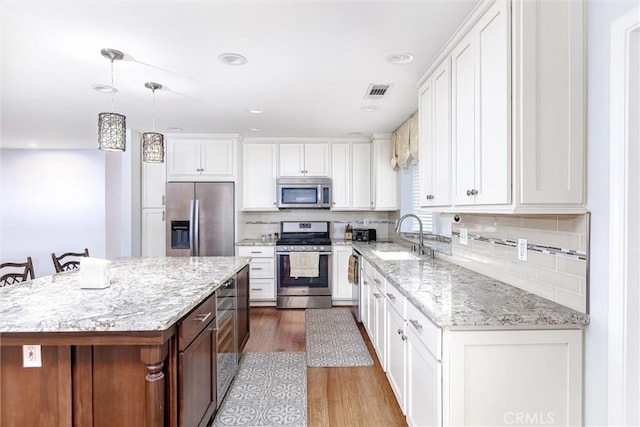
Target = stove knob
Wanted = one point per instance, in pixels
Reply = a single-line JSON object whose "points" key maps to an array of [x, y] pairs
{"points": [[315, 248]]}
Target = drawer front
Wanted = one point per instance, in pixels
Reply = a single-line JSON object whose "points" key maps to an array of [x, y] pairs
{"points": [[262, 289], [396, 299], [196, 321], [256, 251], [261, 268], [425, 330]]}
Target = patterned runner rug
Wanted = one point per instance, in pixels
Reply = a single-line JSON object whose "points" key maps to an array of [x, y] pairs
{"points": [[270, 389], [333, 339]]}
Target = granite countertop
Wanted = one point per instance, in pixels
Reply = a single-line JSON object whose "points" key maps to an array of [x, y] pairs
{"points": [[256, 242], [146, 294], [453, 296]]}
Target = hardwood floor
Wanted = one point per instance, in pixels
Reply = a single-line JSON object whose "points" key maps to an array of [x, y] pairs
{"points": [[341, 397]]}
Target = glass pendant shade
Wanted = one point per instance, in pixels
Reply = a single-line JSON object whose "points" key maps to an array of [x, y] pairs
{"points": [[152, 147], [112, 132]]}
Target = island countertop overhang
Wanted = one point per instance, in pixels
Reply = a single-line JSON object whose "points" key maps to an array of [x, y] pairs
{"points": [[147, 296]]}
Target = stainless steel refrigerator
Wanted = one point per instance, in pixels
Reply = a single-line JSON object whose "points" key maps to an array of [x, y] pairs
{"points": [[200, 219]]}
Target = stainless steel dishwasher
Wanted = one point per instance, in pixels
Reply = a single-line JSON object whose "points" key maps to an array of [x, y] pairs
{"points": [[227, 360]]}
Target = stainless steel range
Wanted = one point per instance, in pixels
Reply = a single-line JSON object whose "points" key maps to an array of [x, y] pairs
{"points": [[305, 242]]}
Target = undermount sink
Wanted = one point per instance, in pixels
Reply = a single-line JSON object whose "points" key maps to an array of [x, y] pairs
{"points": [[395, 255]]}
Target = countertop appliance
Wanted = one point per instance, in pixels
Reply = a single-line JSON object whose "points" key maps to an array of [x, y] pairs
{"points": [[303, 192], [364, 234], [303, 292], [200, 219]]}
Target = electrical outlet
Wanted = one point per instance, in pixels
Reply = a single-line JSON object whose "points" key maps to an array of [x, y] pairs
{"points": [[31, 356], [464, 236], [365, 222], [522, 249]]}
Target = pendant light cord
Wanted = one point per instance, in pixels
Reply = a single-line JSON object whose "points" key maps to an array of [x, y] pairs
{"points": [[153, 110], [112, 87]]}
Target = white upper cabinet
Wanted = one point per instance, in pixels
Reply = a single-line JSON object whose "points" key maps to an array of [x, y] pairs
{"points": [[351, 175], [310, 159], [154, 183], [481, 144], [259, 176], [384, 178], [361, 175], [549, 93], [435, 138], [201, 158], [517, 111]]}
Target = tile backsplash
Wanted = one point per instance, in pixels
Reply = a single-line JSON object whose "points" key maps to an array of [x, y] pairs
{"points": [[252, 225], [557, 255]]}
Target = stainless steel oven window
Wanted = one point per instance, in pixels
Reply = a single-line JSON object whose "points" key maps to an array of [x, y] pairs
{"points": [[288, 285]]}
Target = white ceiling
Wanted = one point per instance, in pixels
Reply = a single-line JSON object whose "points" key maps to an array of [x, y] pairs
{"points": [[309, 65]]}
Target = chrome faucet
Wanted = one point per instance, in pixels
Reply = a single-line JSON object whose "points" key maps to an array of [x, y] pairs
{"points": [[420, 237]]}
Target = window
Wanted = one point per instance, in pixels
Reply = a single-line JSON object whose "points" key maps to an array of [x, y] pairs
{"points": [[410, 181]]}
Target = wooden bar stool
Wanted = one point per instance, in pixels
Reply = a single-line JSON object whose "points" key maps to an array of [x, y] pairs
{"points": [[24, 272], [60, 264]]}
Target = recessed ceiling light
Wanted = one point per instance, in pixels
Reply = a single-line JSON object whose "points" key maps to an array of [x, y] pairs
{"points": [[400, 58], [175, 129], [355, 134], [232, 59], [256, 110], [369, 108], [33, 145], [254, 129], [104, 88]]}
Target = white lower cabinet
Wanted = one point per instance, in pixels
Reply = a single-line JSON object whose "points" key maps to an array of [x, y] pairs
{"points": [[396, 355], [424, 384], [153, 232], [473, 377], [341, 289], [366, 295], [262, 283]]}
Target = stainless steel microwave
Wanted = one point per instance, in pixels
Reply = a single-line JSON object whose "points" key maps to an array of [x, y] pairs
{"points": [[309, 193]]}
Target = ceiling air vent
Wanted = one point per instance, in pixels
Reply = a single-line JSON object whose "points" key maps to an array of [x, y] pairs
{"points": [[377, 91]]}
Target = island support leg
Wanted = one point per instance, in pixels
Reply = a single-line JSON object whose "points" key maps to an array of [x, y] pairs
{"points": [[153, 357]]}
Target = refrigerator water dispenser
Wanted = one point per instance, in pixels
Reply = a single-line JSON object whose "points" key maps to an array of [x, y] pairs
{"points": [[180, 235]]}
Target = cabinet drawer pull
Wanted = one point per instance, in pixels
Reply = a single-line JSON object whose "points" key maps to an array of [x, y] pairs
{"points": [[202, 317], [256, 289], [213, 329], [403, 337], [376, 295], [399, 331], [256, 252], [365, 282], [392, 297], [415, 324], [256, 268], [377, 281], [227, 284]]}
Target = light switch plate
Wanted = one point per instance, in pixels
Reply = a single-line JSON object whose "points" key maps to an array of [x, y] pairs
{"points": [[31, 356], [365, 222], [522, 249], [464, 236]]}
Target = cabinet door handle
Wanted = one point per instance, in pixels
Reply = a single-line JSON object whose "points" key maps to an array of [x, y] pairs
{"points": [[162, 216], [365, 283], [377, 295], [213, 329], [202, 317], [472, 192], [163, 200], [377, 281], [399, 331], [429, 196], [415, 324], [403, 337], [392, 297]]}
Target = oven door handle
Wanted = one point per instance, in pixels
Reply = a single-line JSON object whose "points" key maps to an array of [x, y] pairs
{"points": [[287, 253]]}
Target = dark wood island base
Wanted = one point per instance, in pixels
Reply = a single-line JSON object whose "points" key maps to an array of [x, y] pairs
{"points": [[115, 378]]}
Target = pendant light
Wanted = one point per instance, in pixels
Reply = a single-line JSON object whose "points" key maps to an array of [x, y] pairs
{"points": [[153, 142], [112, 133]]}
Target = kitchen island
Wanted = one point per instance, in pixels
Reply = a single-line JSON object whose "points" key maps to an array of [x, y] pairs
{"points": [[460, 348], [119, 355]]}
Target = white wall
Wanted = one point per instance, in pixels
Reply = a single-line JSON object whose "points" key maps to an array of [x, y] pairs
{"points": [[601, 13], [51, 201]]}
